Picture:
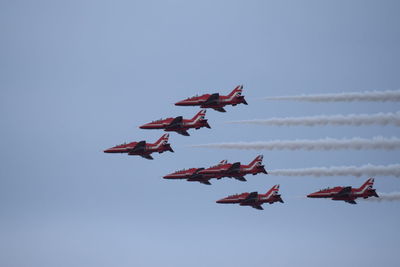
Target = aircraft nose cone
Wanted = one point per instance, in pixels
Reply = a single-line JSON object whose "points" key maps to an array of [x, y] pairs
{"points": [[168, 176], [220, 201], [311, 195], [144, 126], [180, 103], [107, 150]]}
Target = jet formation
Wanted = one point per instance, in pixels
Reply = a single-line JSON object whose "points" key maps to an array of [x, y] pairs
{"points": [[254, 199], [215, 101], [179, 124], [142, 148], [224, 169], [347, 193]]}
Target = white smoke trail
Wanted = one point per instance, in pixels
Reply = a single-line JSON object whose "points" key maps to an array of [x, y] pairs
{"points": [[389, 95], [357, 171], [320, 144], [393, 196], [352, 119]]}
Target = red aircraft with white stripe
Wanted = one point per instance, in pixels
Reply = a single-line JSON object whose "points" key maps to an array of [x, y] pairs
{"points": [[347, 193], [236, 170], [253, 199], [215, 101], [142, 148], [178, 124], [192, 175]]}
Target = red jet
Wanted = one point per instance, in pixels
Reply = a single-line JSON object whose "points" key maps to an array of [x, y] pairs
{"points": [[347, 194], [179, 124], [215, 101], [235, 170], [192, 175], [254, 199], [142, 148]]}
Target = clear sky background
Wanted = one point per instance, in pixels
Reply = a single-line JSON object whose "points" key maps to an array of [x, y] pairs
{"points": [[78, 77]]}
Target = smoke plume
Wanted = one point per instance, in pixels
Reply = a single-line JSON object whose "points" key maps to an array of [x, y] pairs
{"points": [[353, 119], [377, 96], [393, 196], [357, 171], [319, 144]]}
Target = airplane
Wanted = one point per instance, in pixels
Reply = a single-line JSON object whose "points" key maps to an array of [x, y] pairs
{"points": [[142, 148], [215, 101], [253, 199], [178, 124], [347, 193], [192, 175], [236, 170]]}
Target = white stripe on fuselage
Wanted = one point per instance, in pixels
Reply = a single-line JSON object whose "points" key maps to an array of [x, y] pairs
{"points": [[180, 174], [249, 168], [192, 101], [190, 123], [231, 98], [273, 191], [122, 148], [158, 145]]}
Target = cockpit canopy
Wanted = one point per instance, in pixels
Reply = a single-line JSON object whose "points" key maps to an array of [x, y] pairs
{"points": [[189, 98], [325, 189], [124, 144]]}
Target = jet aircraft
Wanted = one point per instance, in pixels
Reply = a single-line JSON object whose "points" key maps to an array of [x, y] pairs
{"points": [[179, 124], [347, 193], [192, 175], [142, 148], [235, 170], [254, 199], [215, 101]]}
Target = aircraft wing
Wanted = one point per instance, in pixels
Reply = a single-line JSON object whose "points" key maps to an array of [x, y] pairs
{"points": [[147, 156], [257, 207], [234, 168], [351, 201], [240, 178], [220, 109], [175, 122], [140, 147], [183, 132], [199, 178], [196, 174], [345, 192], [252, 197], [212, 99]]}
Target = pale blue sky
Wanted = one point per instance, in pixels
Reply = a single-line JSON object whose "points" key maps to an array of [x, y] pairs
{"points": [[80, 76]]}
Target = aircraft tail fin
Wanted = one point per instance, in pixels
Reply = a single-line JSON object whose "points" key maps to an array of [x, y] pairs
{"points": [[273, 191], [236, 92], [256, 162], [163, 140], [367, 185], [199, 116]]}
